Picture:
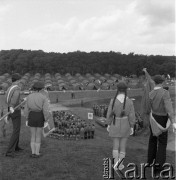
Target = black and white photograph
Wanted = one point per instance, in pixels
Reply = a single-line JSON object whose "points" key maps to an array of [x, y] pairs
{"points": [[87, 89]]}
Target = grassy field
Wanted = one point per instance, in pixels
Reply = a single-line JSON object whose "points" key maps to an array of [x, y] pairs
{"points": [[69, 159], [66, 159]]}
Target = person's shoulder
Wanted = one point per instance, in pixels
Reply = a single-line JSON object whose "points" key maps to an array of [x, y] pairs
{"points": [[43, 96]]}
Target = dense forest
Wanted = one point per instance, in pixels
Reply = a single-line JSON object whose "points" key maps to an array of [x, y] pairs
{"points": [[23, 61]]}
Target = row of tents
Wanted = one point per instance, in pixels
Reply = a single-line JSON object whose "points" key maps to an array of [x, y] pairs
{"points": [[60, 82]]}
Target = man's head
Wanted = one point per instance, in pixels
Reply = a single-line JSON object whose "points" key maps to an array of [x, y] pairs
{"points": [[158, 79], [38, 86], [16, 77]]}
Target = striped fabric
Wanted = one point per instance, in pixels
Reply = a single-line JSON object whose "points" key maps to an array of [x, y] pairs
{"points": [[10, 92]]}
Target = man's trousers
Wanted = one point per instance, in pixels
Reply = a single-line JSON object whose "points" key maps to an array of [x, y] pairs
{"points": [[157, 145], [14, 140]]}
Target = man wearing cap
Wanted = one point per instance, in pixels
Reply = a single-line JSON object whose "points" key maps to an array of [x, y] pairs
{"points": [[160, 110], [13, 100]]}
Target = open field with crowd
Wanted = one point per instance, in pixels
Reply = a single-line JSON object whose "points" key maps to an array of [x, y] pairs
{"points": [[74, 159]]}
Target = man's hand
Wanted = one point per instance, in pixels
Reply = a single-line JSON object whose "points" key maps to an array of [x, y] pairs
{"points": [[174, 127], [144, 69], [132, 131], [11, 110], [24, 99], [6, 120], [108, 128], [45, 124]]}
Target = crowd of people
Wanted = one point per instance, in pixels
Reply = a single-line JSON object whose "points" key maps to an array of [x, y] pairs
{"points": [[100, 110], [71, 127]]}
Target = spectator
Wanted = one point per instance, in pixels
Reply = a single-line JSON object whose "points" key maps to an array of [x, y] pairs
{"points": [[37, 112], [120, 120]]}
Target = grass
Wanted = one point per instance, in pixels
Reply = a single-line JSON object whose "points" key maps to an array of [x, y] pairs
{"points": [[69, 159], [66, 159]]}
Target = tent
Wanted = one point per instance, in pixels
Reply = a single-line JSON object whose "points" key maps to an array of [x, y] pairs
{"points": [[97, 75], [48, 81], [37, 74], [58, 77], [62, 86], [6, 75], [2, 78], [23, 81], [57, 74], [107, 75], [27, 74], [25, 77], [47, 74], [69, 77], [113, 86], [91, 86], [72, 81], [109, 81], [105, 86], [118, 76], [85, 81], [88, 75], [76, 86], [5, 86], [48, 78], [34, 81], [67, 74], [114, 78], [80, 78], [97, 81], [91, 78], [60, 81], [77, 75], [103, 79]]}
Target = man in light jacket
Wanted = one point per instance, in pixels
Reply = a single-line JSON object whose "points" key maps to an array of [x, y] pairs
{"points": [[161, 109], [13, 100]]}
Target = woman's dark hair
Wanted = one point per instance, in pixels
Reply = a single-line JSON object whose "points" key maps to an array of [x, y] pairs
{"points": [[124, 103], [121, 87]]}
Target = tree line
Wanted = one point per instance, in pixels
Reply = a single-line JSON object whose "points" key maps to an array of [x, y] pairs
{"points": [[23, 61]]}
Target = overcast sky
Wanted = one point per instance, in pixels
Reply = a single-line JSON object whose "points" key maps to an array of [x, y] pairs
{"points": [[139, 26]]}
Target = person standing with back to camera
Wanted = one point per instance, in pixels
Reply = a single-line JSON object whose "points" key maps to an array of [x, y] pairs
{"points": [[160, 110], [121, 120], [37, 113], [13, 100]]}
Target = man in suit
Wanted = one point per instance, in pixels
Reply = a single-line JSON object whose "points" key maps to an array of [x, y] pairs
{"points": [[13, 100]]}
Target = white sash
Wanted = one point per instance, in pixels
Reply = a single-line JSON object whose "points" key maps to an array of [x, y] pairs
{"points": [[10, 92], [157, 129]]}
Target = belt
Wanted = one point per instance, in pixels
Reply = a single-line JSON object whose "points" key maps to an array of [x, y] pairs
{"points": [[118, 118]]}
